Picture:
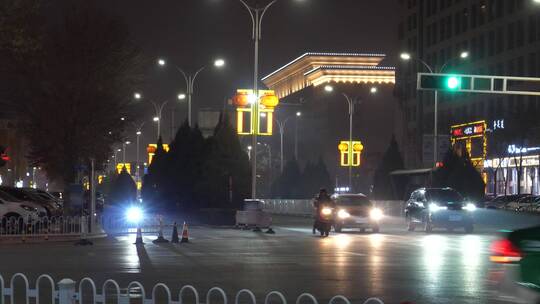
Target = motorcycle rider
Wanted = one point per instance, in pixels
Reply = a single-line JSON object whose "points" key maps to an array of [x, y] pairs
{"points": [[321, 200]]}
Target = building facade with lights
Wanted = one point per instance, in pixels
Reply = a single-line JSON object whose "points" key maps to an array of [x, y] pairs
{"points": [[502, 37], [324, 122]]}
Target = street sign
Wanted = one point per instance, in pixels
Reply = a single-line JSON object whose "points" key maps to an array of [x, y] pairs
{"points": [[479, 84]]}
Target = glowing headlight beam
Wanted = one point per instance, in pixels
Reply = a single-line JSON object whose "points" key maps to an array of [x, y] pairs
{"points": [[326, 211], [470, 207], [376, 214], [343, 214], [134, 215]]}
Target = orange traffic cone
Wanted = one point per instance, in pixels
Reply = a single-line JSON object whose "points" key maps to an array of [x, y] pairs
{"points": [[185, 234]]}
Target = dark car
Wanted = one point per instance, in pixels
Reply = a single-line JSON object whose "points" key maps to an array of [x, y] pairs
{"points": [[518, 253], [356, 211], [439, 208]]}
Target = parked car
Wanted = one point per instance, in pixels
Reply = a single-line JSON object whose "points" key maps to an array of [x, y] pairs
{"points": [[52, 208], [522, 204], [356, 211], [13, 209], [501, 201], [518, 254], [438, 208], [514, 203]]}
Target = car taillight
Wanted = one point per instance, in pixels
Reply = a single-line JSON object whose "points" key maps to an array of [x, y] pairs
{"points": [[503, 251]]}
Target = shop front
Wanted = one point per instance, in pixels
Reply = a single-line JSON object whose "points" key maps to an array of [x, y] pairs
{"points": [[503, 173]]}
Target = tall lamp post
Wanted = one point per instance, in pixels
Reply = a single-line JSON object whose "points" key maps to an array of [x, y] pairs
{"points": [[158, 108], [406, 56], [190, 82], [257, 15], [351, 103], [137, 166], [281, 126], [124, 145]]}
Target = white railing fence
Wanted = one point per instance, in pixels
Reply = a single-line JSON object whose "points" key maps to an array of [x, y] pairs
{"points": [[66, 292], [45, 226]]}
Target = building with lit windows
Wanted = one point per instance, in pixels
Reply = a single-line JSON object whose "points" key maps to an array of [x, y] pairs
{"points": [[502, 37]]}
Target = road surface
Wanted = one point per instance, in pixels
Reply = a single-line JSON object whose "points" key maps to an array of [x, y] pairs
{"points": [[394, 265]]}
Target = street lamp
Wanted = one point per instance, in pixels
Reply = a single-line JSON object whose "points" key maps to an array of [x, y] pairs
{"points": [[190, 82], [257, 15], [137, 167], [281, 125], [351, 102], [453, 82], [124, 144]]}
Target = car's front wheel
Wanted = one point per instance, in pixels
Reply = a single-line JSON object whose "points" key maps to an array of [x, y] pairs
{"points": [[376, 229], [338, 228]]}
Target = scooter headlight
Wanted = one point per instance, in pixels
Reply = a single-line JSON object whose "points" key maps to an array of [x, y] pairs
{"points": [[326, 211], [343, 214]]}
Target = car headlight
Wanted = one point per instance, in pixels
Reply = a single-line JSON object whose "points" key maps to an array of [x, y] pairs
{"points": [[470, 207], [343, 214], [326, 211], [376, 214], [134, 214], [434, 207], [28, 208]]}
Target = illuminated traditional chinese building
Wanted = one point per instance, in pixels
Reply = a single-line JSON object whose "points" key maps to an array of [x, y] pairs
{"points": [[314, 69]]}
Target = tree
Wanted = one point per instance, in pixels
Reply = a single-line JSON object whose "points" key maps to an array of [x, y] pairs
{"points": [[69, 96], [153, 191], [459, 173], [123, 189], [225, 169], [289, 184], [314, 177], [382, 182]]}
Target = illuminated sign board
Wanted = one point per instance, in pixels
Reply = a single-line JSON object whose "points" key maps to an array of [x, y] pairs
{"points": [[350, 157], [255, 113], [121, 166], [472, 137], [152, 148]]}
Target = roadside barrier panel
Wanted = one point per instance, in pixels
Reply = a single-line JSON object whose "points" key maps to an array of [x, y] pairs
{"points": [[66, 292]]}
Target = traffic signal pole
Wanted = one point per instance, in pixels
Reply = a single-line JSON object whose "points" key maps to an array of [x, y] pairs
{"points": [[436, 129]]}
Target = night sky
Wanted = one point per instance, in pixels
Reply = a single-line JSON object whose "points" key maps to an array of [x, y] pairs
{"points": [[192, 33]]}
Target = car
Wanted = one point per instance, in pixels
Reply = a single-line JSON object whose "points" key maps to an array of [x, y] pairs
{"points": [[12, 209], [516, 201], [501, 201], [518, 254], [439, 208], [52, 208], [356, 211], [522, 204]]}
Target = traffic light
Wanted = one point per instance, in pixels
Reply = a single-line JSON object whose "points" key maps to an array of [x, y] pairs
{"points": [[443, 82]]}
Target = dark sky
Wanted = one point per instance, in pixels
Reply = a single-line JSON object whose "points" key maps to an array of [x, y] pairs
{"points": [[191, 33]]}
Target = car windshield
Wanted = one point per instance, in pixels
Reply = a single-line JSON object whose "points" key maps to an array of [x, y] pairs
{"points": [[353, 201], [443, 196]]}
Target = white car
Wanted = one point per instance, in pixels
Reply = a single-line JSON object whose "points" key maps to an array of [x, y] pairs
{"points": [[12, 208]]}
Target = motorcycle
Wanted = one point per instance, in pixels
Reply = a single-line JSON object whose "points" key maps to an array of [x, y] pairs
{"points": [[324, 220]]}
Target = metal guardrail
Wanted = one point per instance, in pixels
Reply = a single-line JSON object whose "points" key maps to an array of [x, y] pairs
{"points": [[66, 292], [45, 226]]}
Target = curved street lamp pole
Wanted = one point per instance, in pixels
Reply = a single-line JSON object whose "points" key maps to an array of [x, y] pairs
{"points": [[159, 110], [257, 15], [281, 126]]}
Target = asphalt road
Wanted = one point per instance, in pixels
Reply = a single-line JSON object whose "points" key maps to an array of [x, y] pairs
{"points": [[394, 265]]}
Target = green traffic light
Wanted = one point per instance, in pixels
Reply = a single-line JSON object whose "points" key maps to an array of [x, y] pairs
{"points": [[453, 82]]}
